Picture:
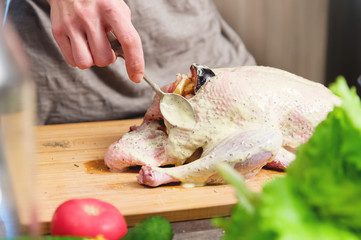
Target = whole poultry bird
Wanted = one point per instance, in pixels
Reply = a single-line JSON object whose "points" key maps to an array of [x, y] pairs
{"points": [[248, 117]]}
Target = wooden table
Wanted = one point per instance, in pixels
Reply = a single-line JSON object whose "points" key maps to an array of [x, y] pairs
{"points": [[70, 165]]}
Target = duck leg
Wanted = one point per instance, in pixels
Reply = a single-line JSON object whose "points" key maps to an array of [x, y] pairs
{"points": [[247, 151]]}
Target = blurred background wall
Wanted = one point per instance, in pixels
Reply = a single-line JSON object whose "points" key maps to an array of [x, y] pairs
{"points": [[316, 39], [287, 34], [344, 41]]}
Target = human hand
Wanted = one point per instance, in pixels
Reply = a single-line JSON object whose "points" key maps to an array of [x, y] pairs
{"points": [[80, 26]]}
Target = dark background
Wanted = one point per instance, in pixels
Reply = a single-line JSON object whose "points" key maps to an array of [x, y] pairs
{"points": [[344, 42]]}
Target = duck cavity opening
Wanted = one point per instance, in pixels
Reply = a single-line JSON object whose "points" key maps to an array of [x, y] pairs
{"points": [[189, 85]]}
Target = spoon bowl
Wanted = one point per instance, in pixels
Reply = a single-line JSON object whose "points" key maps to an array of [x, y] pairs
{"points": [[176, 109]]}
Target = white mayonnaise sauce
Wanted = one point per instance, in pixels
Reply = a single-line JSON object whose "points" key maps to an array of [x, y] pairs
{"points": [[177, 111], [191, 185]]}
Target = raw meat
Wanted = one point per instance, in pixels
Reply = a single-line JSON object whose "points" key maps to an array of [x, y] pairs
{"points": [[249, 117]]}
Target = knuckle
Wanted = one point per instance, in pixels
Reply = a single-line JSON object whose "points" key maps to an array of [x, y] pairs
{"points": [[82, 14], [68, 20], [57, 31], [68, 25], [113, 8], [105, 5]]}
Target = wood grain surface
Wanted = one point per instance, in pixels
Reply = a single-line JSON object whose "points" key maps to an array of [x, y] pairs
{"points": [[70, 165]]}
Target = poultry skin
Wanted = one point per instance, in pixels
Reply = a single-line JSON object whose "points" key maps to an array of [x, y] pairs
{"points": [[248, 117]]}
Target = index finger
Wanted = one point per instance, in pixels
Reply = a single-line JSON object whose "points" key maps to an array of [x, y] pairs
{"points": [[131, 44]]}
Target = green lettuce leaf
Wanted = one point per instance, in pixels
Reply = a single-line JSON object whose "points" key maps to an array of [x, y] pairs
{"points": [[155, 228]]}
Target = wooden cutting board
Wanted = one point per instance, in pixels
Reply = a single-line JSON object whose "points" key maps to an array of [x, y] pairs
{"points": [[70, 165]]}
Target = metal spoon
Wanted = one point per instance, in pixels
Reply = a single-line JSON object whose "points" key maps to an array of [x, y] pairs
{"points": [[175, 109]]}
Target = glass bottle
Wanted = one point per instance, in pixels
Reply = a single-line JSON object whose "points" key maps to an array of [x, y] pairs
{"points": [[17, 120]]}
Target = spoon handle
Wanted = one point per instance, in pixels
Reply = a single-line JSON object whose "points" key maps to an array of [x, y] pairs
{"points": [[155, 87], [115, 44]]}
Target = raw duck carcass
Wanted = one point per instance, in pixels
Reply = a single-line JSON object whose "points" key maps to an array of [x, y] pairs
{"points": [[248, 117]]}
